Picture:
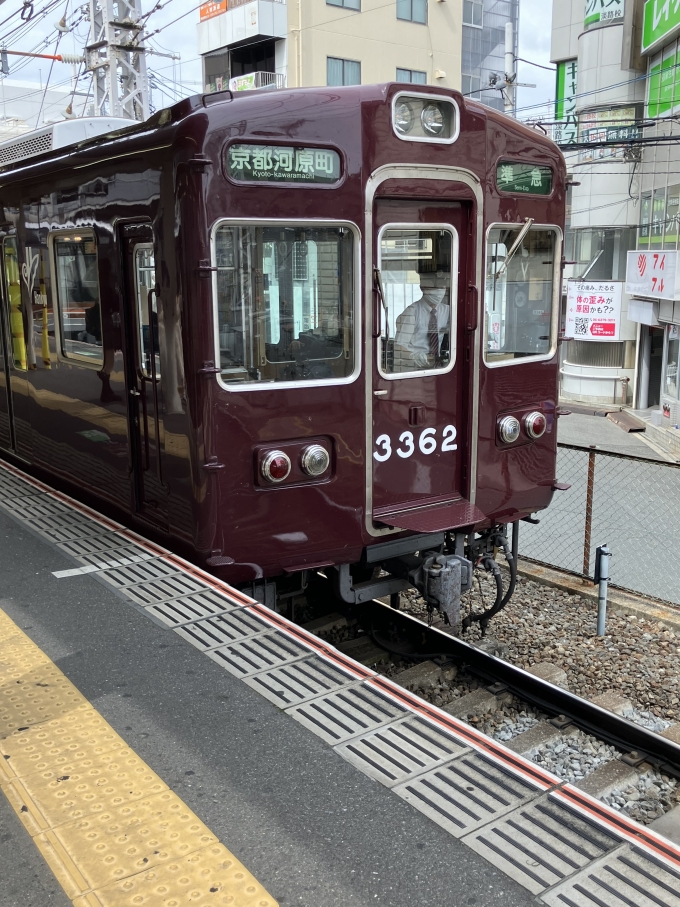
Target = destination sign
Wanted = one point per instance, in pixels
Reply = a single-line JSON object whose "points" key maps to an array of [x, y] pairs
{"points": [[282, 164], [529, 179]]}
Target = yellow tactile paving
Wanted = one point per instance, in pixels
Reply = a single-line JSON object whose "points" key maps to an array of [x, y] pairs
{"points": [[110, 829]]}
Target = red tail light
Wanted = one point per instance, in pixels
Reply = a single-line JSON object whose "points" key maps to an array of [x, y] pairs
{"points": [[276, 466], [535, 425]]}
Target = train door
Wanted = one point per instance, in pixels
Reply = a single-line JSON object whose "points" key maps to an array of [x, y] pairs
{"points": [[6, 428], [420, 374], [17, 353], [144, 373]]}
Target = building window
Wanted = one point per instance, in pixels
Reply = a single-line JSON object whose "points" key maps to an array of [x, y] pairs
{"points": [[347, 4], [415, 76], [412, 11], [473, 13], [342, 72], [471, 86], [77, 285]]}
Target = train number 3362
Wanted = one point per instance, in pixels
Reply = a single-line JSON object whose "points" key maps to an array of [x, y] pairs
{"points": [[427, 443]]}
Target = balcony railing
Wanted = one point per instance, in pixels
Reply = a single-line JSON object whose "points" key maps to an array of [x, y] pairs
{"points": [[255, 80]]}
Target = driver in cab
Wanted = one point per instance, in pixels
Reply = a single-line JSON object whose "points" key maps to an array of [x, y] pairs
{"points": [[422, 336]]}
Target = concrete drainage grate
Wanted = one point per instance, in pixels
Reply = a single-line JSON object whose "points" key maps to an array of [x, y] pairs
{"points": [[116, 557], [542, 844], [97, 543], [298, 682], [626, 878], [192, 608], [136, 574], [401, 751], [34, 507], [163, 590], [260, 653], [224, 629], [62, 527], [466, 794], [341, 715]]}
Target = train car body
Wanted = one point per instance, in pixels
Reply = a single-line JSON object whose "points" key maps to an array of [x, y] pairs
{"points": [[295, 330]]}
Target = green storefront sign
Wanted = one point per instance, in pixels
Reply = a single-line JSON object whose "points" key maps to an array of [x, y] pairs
{"points": [[529, 179], [661, 19], [566, 127], [603, 11]]}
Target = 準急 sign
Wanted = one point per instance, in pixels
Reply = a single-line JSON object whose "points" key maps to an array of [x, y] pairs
{"points": [[651, 274], [594, 309]]}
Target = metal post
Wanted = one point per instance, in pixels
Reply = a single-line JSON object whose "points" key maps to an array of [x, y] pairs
{"points": [[603, 574], [509, 94], [589, 512]]}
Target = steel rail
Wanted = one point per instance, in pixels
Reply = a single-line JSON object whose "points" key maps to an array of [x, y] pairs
{"points": [[626, 736]]}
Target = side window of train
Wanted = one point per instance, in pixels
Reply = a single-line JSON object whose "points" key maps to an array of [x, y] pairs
{"points": [[15, 314], [147, 310], [418, 300], [285, 303], [520, 292], [77, 290]]}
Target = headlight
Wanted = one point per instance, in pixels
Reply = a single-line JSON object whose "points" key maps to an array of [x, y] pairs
{"points": [[403, 117], [432, 119], [315, 460], [508, 429]]}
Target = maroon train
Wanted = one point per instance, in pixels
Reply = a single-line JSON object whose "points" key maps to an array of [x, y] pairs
{"points": [[295, 330]]}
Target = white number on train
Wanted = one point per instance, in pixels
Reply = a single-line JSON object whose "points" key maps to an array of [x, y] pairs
{"points": [[427, 443]]}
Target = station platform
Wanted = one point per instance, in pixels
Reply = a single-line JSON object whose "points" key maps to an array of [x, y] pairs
{"points": [[165, 740]]}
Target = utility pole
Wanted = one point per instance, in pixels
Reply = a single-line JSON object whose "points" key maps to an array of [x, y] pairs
{"points": [[116, 58], [510, 74]]}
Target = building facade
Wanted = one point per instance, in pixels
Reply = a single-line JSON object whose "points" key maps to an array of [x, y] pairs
{"points": [[268, 43], [600, 97], [484, 46]]}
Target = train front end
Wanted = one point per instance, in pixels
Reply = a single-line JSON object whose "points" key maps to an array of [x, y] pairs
{"points": [[380, 380]]}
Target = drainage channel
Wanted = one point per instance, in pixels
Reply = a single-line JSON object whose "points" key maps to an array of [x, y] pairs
{"points": [[558, 842]]}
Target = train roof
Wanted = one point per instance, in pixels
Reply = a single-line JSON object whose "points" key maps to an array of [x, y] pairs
{"points": [[75, 138]]}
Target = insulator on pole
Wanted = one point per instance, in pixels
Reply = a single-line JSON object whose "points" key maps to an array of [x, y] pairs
{"points": [[72, 58], [4, 66]]}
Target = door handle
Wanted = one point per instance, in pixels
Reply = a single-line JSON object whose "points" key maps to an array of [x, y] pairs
{"points": [[135, 393]]}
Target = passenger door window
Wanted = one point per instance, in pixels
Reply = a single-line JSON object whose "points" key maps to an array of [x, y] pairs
{"points": [[147, 310], [16, 315], [417, 299]]}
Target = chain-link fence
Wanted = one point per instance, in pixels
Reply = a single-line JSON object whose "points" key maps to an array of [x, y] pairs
{"points": [[629, 503]]}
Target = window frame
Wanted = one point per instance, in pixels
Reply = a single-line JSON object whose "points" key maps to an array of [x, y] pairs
{"points": [[410, 71], [343, 60], [62, 355], [453, 339], [472, 24], [557, 297], [411, 19], [343, 5], [269, 386]]}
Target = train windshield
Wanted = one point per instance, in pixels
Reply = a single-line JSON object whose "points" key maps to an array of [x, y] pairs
{"points": [[520, 292], [285, 303]]}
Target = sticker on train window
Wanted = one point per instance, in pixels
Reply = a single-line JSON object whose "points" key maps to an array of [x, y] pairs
{"points": [[527, 179], [282, 164]]}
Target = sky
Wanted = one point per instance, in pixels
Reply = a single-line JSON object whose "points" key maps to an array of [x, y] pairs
{"points": [[174, 79]]}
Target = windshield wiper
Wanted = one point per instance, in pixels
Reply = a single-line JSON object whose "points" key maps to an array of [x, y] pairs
{"points": [[528, 223]]}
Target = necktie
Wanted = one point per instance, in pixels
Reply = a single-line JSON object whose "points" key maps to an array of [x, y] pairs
{"points": [[433, 334]]}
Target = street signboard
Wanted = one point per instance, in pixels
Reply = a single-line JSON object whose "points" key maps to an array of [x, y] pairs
{"points": [[212, 8], [594, 309], [603, 11], [565, 130], [652, 274], [660, 23]]}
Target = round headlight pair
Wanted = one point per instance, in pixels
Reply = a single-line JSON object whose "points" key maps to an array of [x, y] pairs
{"points": [[431, 118], [276, 465], [509, 427]]}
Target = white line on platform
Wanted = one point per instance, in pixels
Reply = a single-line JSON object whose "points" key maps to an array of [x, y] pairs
{"points": [[60, 574]]}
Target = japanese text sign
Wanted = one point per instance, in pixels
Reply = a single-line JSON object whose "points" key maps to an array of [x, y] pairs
{"points": [[565, 130], [597, 11], [524, 178], [652, 274], [661, 20], [212, 8], [282, 164], [594, 309]]}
